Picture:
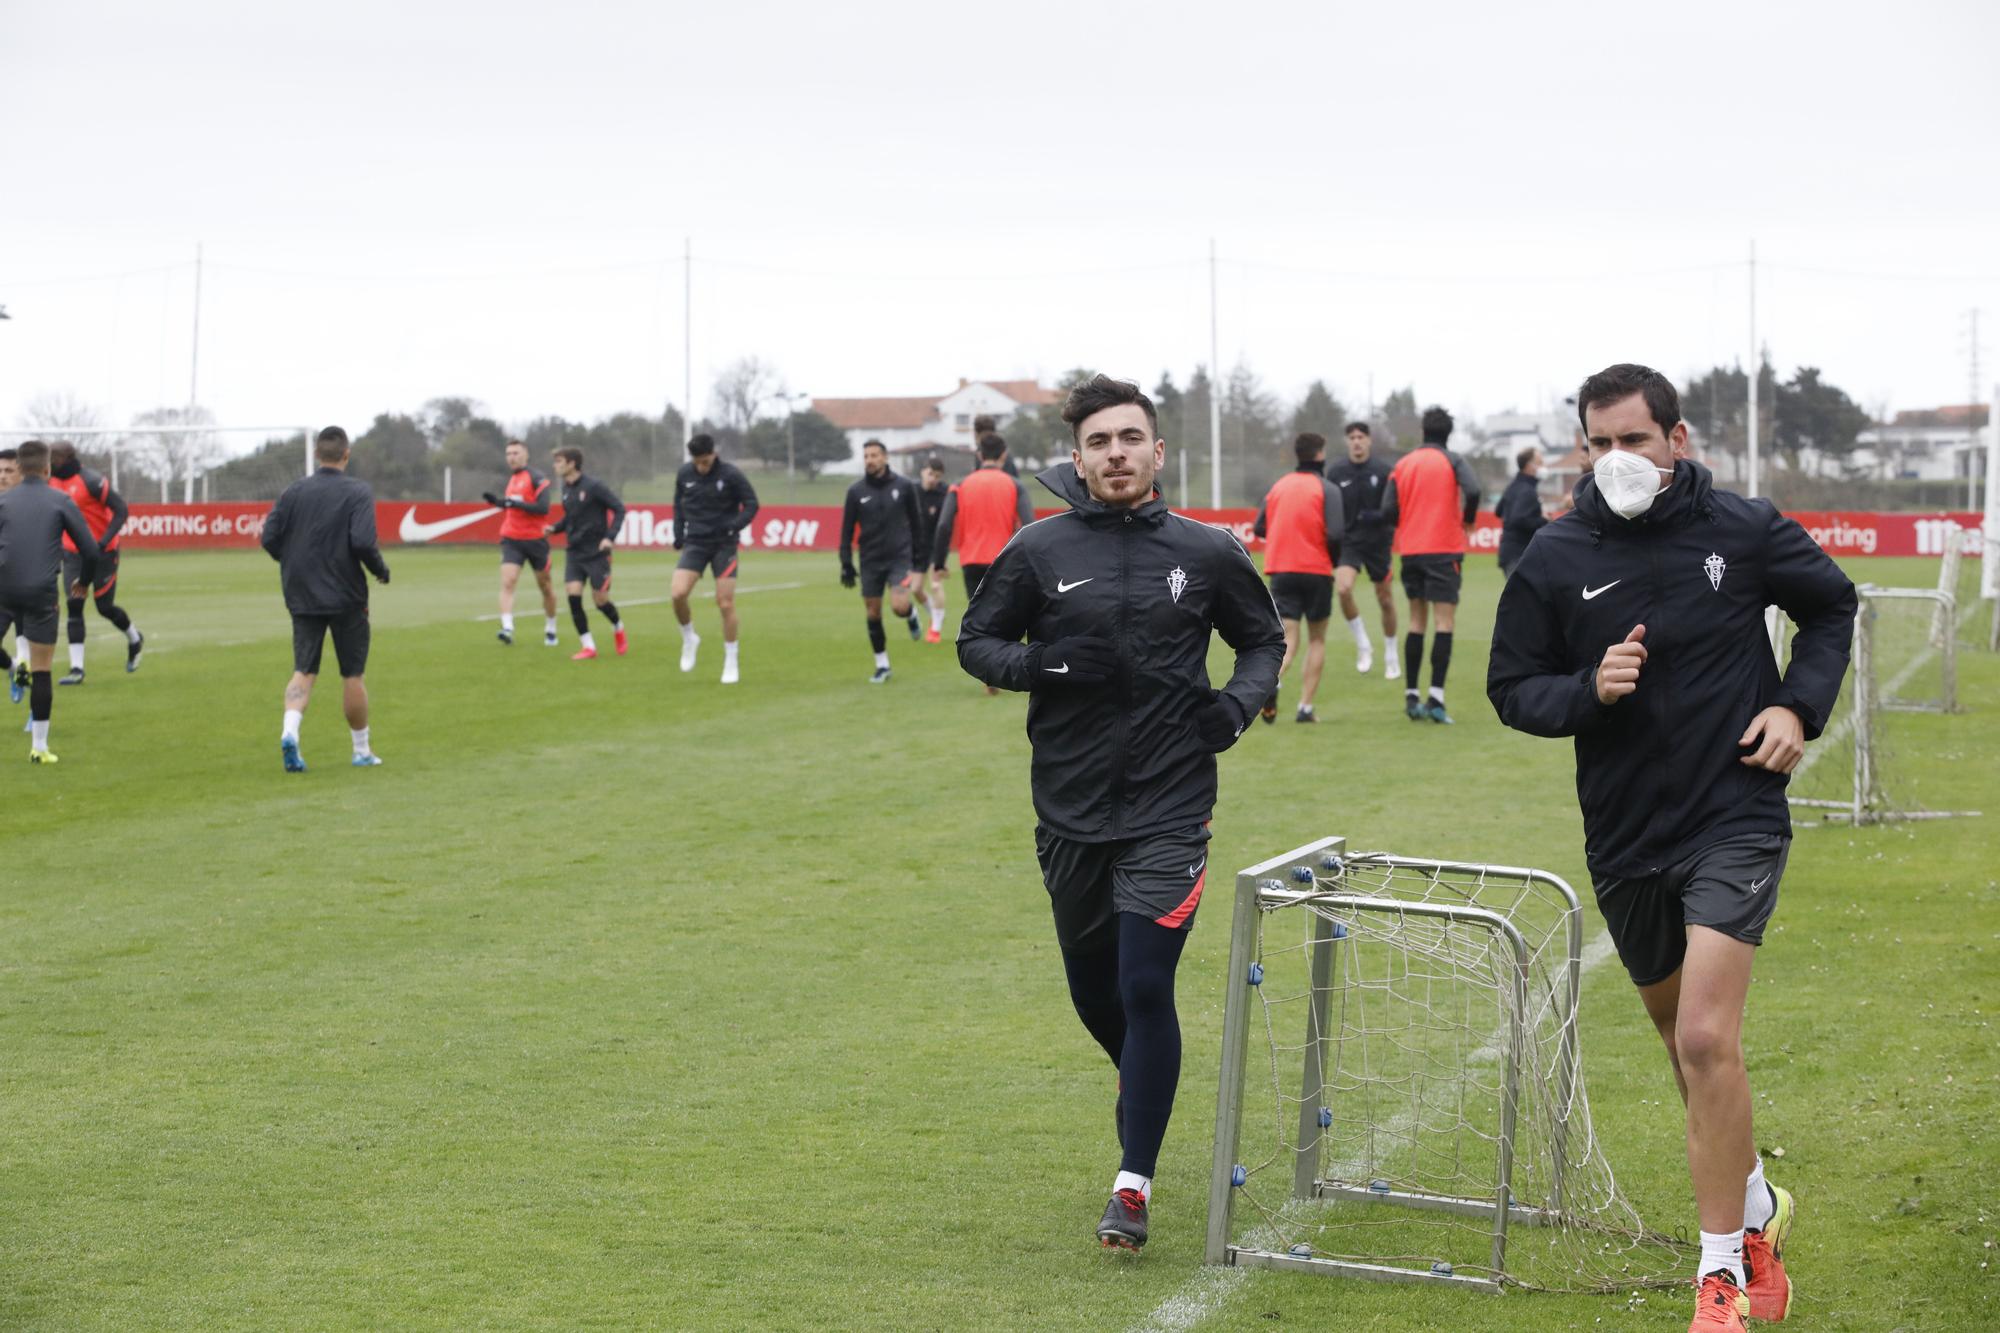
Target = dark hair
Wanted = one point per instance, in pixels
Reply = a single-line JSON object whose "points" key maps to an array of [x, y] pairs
{"points": [[934, 463], [983, 424], [516, 443], [61, 454], [1616, 383], [571, 454], [1525, 457], [33, 458], [701, 444], [1086, 400], [331, 445], [866, 445], [1310, 445], [1437, 425], [7, 454], [1361, 426], [991, 446]]}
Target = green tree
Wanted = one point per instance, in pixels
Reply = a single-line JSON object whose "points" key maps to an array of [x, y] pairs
{"points": [[1319, 411], [818, 443], [395, 458], [1815, 416], [1252, 435], [1402, 421]]}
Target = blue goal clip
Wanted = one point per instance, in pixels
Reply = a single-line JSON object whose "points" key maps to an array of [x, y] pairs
{"points": [[1237, 1175], [1325, 1118], [1256, 974], [1303, 874]]}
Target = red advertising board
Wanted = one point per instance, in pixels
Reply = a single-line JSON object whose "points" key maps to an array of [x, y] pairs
{"points": [[816, 527]]}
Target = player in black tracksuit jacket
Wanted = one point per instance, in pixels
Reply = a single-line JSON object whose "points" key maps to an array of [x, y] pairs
{"points": [[1104, 614], [883, 517], [1643, 638], [592, 517], [34, 518]]}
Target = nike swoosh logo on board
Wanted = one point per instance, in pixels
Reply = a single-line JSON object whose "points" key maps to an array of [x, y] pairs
{"points": [[1589, 593], [1065, 587], [412, 531]]}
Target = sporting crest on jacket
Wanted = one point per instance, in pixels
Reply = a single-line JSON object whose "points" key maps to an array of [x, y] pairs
{"points": [[1714, 566], [1177, 581]]}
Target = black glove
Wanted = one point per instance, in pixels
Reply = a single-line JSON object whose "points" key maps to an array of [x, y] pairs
{"points": [[677, 543], [846, 577], [493, 499], [1067, 663], [1218, 722], [383, 577]]}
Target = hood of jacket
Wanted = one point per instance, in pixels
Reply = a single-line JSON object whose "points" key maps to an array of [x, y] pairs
{"points": [[1067, 485], [1687, 495]]}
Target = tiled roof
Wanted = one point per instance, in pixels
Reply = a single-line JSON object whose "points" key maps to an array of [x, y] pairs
{"points": [[876, 413]]}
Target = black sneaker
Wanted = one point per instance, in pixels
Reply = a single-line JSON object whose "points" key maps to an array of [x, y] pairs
{"points": [[1413, 708], [1305, 715], [506, 637], [881, 676], [75, 677], [1270, 710], [134, 650], [1435, 712], [916, 627], [1123, 1226]]}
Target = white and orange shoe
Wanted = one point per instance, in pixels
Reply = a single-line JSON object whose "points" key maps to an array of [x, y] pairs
{"points": [[618, 638], [583, 655], [1720, 1306], [1770, 1291]]}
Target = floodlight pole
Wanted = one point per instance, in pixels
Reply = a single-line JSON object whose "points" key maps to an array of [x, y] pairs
{"points": [[687, 338], [1214, 391], [1989, 562], [1756, 371]]}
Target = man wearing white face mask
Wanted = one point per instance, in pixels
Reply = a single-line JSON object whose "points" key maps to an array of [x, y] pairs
{"points": [[1635, 625]]}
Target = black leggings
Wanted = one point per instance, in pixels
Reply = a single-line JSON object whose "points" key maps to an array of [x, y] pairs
{"points": [[1125, 998]]}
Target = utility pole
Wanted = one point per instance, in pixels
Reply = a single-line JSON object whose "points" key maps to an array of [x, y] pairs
{"points": [[1214, 391], [687, 338], [194, 353], [1756, 371], [1972, 409]]}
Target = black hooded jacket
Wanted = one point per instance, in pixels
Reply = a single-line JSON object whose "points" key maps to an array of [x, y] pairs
{"points": [[1122, 760], [1659, 772]]}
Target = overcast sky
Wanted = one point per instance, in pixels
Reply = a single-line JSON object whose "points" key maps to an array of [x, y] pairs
{"points": [[399, 201]]}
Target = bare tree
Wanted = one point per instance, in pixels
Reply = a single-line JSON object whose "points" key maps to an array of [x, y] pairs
{"points": [[53, 410], [741, 388], [175, 452]]}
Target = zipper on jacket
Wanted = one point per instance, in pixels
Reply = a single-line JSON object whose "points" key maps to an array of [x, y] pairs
{"points": [[1125, 676], [1663, 746]]}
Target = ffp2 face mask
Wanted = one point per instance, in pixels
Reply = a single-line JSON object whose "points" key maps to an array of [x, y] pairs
{"points": [[1628, 482]]}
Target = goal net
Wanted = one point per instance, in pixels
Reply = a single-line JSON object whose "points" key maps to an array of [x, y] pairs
{"points": [[1402, 1092]]}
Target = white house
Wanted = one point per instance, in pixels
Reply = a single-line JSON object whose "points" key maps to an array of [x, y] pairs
{"points": [[924, 425], [1932, 444]]}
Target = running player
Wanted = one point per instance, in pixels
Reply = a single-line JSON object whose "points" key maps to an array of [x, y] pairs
{"points": [[887, 536], [1117, 599], [1362, 479], [1301, 521], [525, 503], [36, 522], [591, 518], [104, 510], [322, 534], [1432, 499], [15, 671], [1681, 765], [931, 496], [983, 512], [713, 504]]}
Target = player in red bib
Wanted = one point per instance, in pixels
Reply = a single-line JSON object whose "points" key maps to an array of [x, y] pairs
{"points": [[524, 509], [983, 512], [104, 513], [1431, 499]]}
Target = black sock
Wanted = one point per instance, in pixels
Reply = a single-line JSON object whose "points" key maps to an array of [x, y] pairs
{"points": [[41, 696], [876, 638], [1413, 660], [610, 610], [114, 613], [1093, 990], [76, 620], [1440, 658], [1150, 1068], [576, 615]]}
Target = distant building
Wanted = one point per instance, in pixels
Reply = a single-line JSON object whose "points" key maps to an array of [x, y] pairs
{"points": [[924, 425], [1926, 444]]}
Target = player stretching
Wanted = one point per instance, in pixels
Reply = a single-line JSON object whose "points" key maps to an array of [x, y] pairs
{"points": [[104, 510], [1681, 764], [1301, 521], [983, 512], [591, 518], [931, 496], [883, 513], [524, 504], [713, 504], [1432, 499], [15, 671], [35, 520], [1364, 545], [322, 534], [1117, 598]]}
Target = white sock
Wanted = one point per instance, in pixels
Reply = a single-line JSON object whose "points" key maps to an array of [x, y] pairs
{"points": [[1722, 1254], [360, 739], [729, 651], [1358, 630], [548, 624], [937, 618], [132, 634], [687, 634], [39, 731], [1411, 694], [882, 661], [1757, 1202], [617, 625], [1437, 694], [1132, 1180], [76, 656], [1306, 709], [507, 622], [589, 642], [293, 717]]}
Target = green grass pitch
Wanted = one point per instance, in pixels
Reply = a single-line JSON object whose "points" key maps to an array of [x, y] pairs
{"points": [[619, 999]]}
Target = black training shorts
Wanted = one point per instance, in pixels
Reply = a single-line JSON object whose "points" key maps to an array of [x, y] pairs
{"points": [[1159, 877], [1730, 886], [592, 567], [1303, 596], [704, 558], [35, 619], [350, 642], [972, 575], [101, 581], [1432, 578], [1370, 554], [533, 554], [876, 578]]}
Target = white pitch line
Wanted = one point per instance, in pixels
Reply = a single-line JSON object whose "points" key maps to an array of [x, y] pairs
{"points": [[705, 593], [1203, 1296]]}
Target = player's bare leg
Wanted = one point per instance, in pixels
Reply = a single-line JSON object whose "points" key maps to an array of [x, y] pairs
{"points": [[298, 693], [899, 602], [1269, 712], [681, 591], [725, 602], [1350, 614], [936, 602], [1315, 663], [1385, 597], [602, 597], [510, 575], [354, 703]]}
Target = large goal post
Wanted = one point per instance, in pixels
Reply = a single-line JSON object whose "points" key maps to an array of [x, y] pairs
{"points": [[1401, 1095]]}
